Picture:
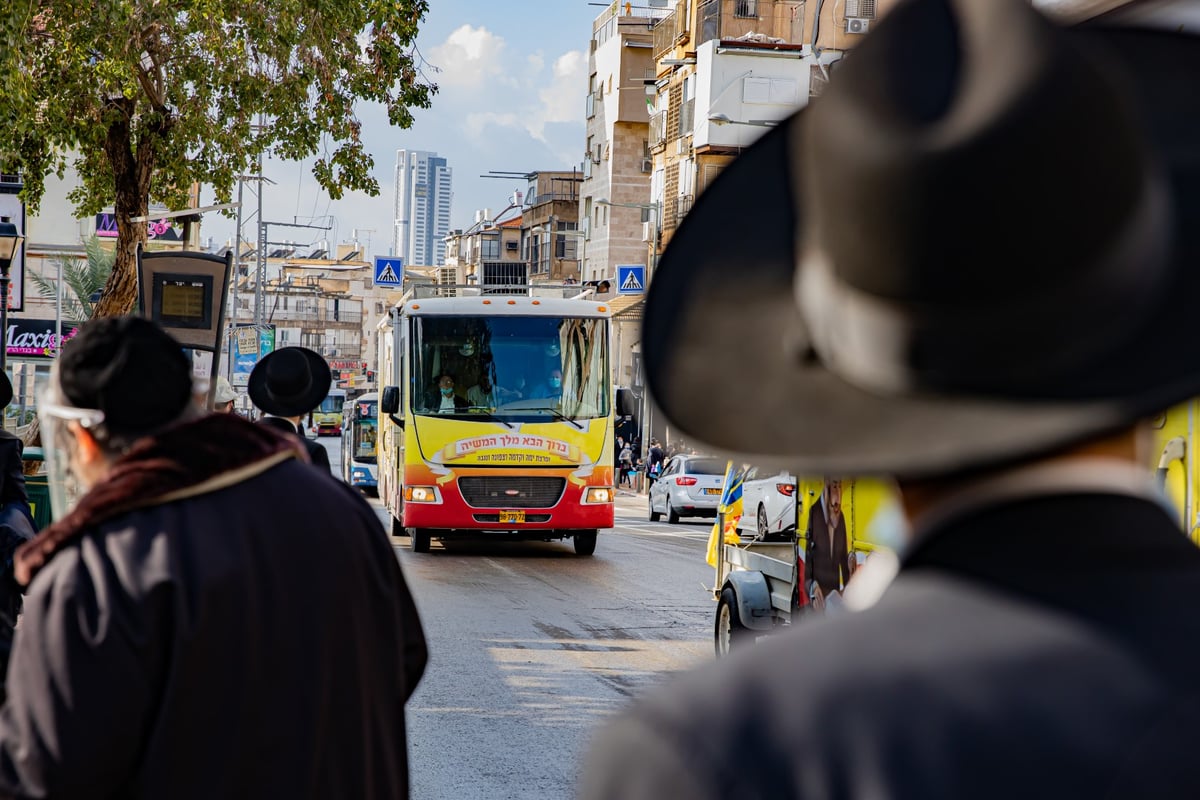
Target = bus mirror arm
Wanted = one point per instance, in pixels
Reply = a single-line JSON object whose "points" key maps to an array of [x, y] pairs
{"points": [[397, 420]]}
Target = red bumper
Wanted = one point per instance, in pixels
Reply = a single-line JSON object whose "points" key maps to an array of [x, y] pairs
{"points": [[474, 501]]}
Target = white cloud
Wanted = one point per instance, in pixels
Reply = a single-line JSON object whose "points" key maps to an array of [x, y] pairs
{"points": [[470, 57]]}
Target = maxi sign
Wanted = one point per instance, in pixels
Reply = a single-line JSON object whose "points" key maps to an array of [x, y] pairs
{"points": [[35, 338]]}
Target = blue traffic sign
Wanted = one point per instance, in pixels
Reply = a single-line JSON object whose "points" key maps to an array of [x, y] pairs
{"points": [[389, 271], [631, 278]]}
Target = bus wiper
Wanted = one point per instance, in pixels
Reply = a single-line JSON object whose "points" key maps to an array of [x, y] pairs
{"points": [[489, 416], [559, 415]]}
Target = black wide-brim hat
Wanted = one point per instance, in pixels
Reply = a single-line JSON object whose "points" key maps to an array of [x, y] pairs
{"points": [[289, 382], [979, 245]]}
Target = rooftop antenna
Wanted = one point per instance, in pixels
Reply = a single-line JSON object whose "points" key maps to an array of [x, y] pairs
{"points": [[354, 232]]}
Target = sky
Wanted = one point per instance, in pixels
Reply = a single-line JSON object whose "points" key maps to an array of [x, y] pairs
{"points": [[512, 79]]}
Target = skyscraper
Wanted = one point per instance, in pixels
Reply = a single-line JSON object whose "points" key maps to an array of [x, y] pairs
{"points": [[422, 207]]}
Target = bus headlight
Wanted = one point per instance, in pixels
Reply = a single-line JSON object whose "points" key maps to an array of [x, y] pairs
{"points": [[420, 494], [598, 494]]}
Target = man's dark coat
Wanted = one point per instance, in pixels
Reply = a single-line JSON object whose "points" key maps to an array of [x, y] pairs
{"points": [[192, 630], [317, 454], [1044, 648]]}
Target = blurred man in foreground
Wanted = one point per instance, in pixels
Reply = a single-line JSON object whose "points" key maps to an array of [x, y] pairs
{"points": [[189, 631], [974, 267]]}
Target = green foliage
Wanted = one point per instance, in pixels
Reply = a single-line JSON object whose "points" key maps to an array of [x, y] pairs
{"points": [[170, 93], [82, 277]]}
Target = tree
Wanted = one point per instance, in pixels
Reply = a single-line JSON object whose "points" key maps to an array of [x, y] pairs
{"points": [[82, 278], [149, 97]]}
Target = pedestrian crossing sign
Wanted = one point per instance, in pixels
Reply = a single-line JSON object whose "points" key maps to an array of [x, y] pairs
{"points": [[389, 271], [631, 278]]}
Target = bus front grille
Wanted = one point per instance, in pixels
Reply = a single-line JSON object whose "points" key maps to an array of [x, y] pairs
{"points": [[517, 491]]}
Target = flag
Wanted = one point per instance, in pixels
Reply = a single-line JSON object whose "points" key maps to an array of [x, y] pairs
{"points": [[731, 506]]}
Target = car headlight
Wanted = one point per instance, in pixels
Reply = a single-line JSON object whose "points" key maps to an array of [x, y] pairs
{"points": [[598, 494], [420, 494]]}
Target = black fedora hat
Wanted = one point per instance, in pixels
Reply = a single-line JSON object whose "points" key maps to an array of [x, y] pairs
{"points": [[289, 382], [980, 244]]}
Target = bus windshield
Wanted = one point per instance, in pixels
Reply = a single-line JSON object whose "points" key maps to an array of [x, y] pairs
{"points": [[332, 404], [365, 425], [515, 368]]}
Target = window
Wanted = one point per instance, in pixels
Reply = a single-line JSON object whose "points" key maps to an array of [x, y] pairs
{"points": [[749, 8], [864, 9], [512, 360], [489, 248]]}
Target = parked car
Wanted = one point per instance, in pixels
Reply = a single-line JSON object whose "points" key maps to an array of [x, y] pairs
{"points": [[768, 503], [689, 486]]}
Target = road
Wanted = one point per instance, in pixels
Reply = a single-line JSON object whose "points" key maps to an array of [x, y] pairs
{"points": [[532, 647]]}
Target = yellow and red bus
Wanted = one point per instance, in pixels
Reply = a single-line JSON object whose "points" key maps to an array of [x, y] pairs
{"points": [[496, 418]]}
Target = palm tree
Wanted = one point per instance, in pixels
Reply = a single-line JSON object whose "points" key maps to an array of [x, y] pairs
{"points": [[82, 279]]}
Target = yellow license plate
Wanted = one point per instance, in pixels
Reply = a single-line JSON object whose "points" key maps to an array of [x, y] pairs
{"points": [[712, 491], [512, 516]]}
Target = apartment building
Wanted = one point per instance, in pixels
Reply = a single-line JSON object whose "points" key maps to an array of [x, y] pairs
{"points": [[725, 71], [421, 207], [617, 161]]}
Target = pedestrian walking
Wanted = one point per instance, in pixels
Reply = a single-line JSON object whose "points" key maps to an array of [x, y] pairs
{"points": [[287, 384], [654, 461], [977, 271], [625, 464], [191, 629]]}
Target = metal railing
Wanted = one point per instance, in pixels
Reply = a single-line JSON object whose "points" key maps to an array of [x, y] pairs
{"points": [[658, 129], [731, 19], [664, 36]]}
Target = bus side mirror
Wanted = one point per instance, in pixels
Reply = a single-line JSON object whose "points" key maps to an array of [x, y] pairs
{"points": [[389, 401]]}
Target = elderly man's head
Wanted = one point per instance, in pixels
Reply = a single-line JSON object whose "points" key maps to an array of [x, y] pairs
{"points": [[119, 379]]}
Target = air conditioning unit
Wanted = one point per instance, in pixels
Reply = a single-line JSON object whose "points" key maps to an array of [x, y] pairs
{"points": [[647, 165], [857, 25]]}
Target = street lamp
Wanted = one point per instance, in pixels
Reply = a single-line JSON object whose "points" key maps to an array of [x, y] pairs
{"points": [[651, 268], [10, 241]]}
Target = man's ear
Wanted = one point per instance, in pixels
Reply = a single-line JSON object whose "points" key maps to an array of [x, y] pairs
{"points": [[89, 449]]}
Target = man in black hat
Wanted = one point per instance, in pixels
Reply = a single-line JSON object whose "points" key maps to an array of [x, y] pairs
{"points": [[191, 631], [287, 384], [975, 268]]}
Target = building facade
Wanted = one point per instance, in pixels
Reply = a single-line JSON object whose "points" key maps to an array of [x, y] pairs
{"points": [[617, 162], [727, 70], [421, 207]]}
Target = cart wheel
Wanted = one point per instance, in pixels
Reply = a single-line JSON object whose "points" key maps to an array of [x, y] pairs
{"points": [[585, 543], [419, 539], [729, 630]]}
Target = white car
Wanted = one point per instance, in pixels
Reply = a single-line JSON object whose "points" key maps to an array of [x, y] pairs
{"points": [[768, 503], [689, 486]]}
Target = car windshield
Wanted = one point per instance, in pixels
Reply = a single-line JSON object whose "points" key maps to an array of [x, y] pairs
{"points": [[516, 368], [704, 466]]}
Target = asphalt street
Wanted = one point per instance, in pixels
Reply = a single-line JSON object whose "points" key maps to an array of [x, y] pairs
{"points": [[533, 647]]}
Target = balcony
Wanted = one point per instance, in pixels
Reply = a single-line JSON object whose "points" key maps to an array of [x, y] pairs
{"points": [[683, 204], [658, 129], [664, 36], [779, 21]]}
